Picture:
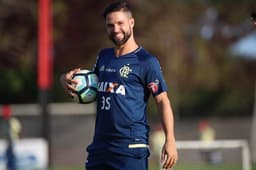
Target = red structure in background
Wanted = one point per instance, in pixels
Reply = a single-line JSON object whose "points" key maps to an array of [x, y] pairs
{"points": [[6, 111], [45, 67], [45, 58]]}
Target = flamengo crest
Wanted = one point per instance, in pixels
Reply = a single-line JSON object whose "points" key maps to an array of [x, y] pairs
{"points": [[125, 71]]}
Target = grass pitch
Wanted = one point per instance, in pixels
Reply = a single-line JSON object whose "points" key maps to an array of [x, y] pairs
{"points": [[177, 167]]}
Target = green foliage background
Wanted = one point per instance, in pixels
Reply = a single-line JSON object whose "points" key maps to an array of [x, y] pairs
{"points": [[203, 78]]}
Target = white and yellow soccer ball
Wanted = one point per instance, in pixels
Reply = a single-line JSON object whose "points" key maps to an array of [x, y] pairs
{"points": [[86, 87]]}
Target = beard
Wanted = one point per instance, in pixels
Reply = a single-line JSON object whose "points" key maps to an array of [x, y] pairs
{"points": [[126, 36]]}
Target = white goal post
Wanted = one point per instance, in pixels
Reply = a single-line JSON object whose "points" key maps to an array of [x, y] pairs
{"points": [[219, 144]]}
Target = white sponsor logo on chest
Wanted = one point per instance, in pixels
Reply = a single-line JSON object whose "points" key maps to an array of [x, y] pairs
{"points": [[111, 87]]}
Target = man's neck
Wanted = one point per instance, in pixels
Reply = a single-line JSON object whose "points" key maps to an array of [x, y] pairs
{"points": [[126, 48]]}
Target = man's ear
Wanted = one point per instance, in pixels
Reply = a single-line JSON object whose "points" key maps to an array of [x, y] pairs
{"points": [[132, 22]]}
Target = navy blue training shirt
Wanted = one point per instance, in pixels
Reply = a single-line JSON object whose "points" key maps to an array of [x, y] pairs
{"points": [[125, 84]]}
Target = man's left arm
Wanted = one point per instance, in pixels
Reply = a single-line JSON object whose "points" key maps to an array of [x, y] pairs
{"points": [[169, 154]]}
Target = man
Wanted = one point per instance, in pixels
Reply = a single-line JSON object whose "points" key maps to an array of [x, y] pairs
{"points": [[128, 74]]}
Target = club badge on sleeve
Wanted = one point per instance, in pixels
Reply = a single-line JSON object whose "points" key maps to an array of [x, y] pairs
{"points": [[153, 86]]}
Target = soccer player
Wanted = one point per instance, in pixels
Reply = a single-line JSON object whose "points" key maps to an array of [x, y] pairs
{"points": [[128, 75]]}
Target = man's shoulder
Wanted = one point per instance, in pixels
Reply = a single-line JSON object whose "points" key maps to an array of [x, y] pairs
{"points": [[144, 56], [105, 51]]}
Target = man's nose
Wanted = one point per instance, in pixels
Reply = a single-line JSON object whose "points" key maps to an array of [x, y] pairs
{"points": [[116, 28]]}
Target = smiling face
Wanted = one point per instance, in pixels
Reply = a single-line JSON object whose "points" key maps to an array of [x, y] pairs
{"points": [[119, 27]]}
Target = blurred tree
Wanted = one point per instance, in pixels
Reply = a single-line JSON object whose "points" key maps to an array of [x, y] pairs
{"points": [[17, 51], [201, 72], [190, 38]]}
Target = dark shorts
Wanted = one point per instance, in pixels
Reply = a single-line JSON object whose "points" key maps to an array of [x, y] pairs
{"points": [[116, 162]]}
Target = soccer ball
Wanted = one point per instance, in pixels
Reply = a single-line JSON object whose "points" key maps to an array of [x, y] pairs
{"points": [[86, 87]]}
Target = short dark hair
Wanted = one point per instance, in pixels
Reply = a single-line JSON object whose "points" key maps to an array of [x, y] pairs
{"points": [[120, 5]]}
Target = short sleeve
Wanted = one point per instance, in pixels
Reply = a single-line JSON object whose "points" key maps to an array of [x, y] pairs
{"points": [[95, 68], [154, 77]]}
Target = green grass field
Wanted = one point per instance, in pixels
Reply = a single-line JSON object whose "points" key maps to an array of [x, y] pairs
{"points": [[200, 167], [203, 167], [177, 167]]}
